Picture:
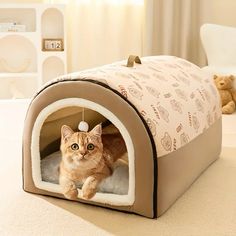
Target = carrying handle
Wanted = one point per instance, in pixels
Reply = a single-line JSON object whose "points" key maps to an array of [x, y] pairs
{"points": [[132, 59]]}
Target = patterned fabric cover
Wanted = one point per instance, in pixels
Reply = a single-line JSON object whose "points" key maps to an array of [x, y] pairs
{"points": [[175, 97]]}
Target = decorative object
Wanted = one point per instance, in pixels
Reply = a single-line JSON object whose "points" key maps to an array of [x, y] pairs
{"points": [[227, 93], [9, 68], [53, 45], [83, 125], [12, 27]]}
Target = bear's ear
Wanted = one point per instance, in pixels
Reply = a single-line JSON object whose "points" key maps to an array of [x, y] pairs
{"points": [[231, 77], [215, 76]]}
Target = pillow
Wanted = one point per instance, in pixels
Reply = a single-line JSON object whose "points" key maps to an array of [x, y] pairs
{"points": [[219, 43]]}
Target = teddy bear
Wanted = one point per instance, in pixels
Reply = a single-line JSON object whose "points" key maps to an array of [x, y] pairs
{"points": [[224, 85]]}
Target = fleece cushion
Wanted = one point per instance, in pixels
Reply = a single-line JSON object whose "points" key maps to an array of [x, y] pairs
{"points": [[117, 183]]}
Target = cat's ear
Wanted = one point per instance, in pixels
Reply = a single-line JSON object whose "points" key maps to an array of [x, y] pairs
{"points": [[97, 130], [66, 132]]}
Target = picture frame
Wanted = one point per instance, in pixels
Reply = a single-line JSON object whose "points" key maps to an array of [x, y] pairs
{"points": [[49, 44]]}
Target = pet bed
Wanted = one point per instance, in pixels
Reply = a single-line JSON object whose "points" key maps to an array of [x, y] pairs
{"points": [[166, 109]]}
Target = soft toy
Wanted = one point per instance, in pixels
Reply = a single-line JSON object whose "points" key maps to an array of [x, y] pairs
{"points": [[224, 85]]}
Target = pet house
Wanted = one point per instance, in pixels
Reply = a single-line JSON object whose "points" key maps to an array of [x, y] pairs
{"points": [[167, 111]]}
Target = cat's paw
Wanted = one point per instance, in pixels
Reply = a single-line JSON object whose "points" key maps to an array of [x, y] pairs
{"points": [[88, 193], [71, 192]]}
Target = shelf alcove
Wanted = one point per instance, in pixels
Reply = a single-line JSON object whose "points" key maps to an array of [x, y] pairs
{"points": [[52, 24], [52, 67], [18, 55], [18, 67], [22, 16]]}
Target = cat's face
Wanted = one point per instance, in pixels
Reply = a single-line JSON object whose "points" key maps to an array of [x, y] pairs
{"points": [[81, 149]]}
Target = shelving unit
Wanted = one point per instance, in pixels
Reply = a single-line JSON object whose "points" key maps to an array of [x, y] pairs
{"points": [[24, 66]]}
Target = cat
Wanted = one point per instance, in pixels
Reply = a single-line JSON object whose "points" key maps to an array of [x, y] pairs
{"points": [[87, 157]]}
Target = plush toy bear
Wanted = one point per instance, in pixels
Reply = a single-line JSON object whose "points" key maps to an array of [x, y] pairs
{"points": [[224, 85]]}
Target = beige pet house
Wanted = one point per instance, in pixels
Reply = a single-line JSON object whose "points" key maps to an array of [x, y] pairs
{"points": [[166, 109]]}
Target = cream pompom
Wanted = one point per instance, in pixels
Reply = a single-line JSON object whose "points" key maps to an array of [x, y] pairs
{"points": [[83, 126]]}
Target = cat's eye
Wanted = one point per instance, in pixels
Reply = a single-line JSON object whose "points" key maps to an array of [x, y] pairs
{"points": [[90, 146], [74, 146]]}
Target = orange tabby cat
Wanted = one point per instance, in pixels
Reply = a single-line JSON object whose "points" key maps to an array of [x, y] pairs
{"points": [[87, 157]]}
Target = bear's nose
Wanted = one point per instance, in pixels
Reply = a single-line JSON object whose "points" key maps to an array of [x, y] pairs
{"points": [[222, 83]]}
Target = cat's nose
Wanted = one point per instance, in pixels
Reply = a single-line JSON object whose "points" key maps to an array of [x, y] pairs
{"points": [[82, 153], [81, 156]]}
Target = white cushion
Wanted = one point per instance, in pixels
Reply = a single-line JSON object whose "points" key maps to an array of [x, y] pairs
{"points": [[219, 43]]}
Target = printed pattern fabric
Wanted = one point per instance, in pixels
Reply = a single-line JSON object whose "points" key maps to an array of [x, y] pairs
{"points": [[175, 97]]}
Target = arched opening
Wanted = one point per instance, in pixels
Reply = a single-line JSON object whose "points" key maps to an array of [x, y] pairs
{"points": [[118, 189]]}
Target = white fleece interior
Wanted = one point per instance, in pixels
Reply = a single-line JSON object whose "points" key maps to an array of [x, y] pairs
{"points": [[117, 183], [107, 198]]}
